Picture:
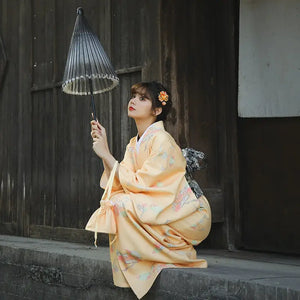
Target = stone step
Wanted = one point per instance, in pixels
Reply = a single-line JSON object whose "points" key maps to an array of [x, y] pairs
{"points": [[45, 269]]}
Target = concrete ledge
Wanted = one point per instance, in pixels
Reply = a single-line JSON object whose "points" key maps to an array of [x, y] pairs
{"points": [[44, 269]]}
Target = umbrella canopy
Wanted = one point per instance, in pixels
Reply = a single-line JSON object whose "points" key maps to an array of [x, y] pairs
{"points": [[88, 70]]}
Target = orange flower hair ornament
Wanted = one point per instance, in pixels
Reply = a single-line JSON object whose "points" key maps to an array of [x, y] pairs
{"points": [[163, 97]]}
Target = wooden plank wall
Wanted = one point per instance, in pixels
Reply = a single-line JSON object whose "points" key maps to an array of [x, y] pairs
{"points": [[11, 178], [270, 168], [50, 175], [199, 64], [50, 180]]}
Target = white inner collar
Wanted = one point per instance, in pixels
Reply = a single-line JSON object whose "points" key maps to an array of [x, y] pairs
{"points": [[138, 142]]}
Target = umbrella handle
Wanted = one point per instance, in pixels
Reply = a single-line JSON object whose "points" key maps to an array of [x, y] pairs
{"points": [[92, 100]]}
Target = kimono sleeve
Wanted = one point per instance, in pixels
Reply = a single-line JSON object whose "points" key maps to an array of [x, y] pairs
{"points": [[116, 183], [164, 166]]}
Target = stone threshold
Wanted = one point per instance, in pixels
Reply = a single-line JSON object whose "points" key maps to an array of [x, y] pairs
{"points": [[46, 269]]}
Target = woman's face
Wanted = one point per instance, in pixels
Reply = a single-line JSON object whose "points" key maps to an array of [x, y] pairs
{"points": [[140, 107]]}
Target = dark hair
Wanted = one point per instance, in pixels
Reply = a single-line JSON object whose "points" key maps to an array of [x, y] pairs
{"points": [[151, 91]]}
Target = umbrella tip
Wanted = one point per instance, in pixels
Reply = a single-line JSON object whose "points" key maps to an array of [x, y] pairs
{"points": [[80, 11]]}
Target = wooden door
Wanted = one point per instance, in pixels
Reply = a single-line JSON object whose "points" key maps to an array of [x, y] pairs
{"points": [[199, 59]]}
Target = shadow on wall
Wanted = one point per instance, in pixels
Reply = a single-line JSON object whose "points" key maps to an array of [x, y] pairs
{"points": [[3, 61]]}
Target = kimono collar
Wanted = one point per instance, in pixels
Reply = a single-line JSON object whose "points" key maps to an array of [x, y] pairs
{"points": [[159, 125]]}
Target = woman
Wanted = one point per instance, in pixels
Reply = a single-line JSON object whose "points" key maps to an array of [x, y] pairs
{"points": [[152, 216]]}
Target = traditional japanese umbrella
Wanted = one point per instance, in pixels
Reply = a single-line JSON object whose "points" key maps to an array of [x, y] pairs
{"points": [[88, 70]]}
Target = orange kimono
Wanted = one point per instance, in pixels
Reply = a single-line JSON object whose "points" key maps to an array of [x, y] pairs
{"points": [[152, 216]]}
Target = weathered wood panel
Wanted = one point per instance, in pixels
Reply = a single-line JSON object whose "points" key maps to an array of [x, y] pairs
{"points": [[199, 66], [77, 171], [126, 33], [150, 40], [24, 119], [15, 107], [8, 120], [55, 184], [226, 65], [3, 60], [43, 114], [188, 69], [270, 168]]}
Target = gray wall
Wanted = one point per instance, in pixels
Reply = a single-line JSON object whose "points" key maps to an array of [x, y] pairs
{"points": [[269, 62]]}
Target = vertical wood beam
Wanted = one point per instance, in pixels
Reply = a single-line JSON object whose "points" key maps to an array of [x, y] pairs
{"points": [[24, 118], [55, 127], [150, 40], [178, 120], [227, 86]]}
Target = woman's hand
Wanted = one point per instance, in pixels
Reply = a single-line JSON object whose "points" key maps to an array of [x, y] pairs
{"points": [[100, 145]]}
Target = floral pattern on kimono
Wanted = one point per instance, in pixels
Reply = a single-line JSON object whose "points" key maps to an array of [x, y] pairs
{"points": [[157, 217]]}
